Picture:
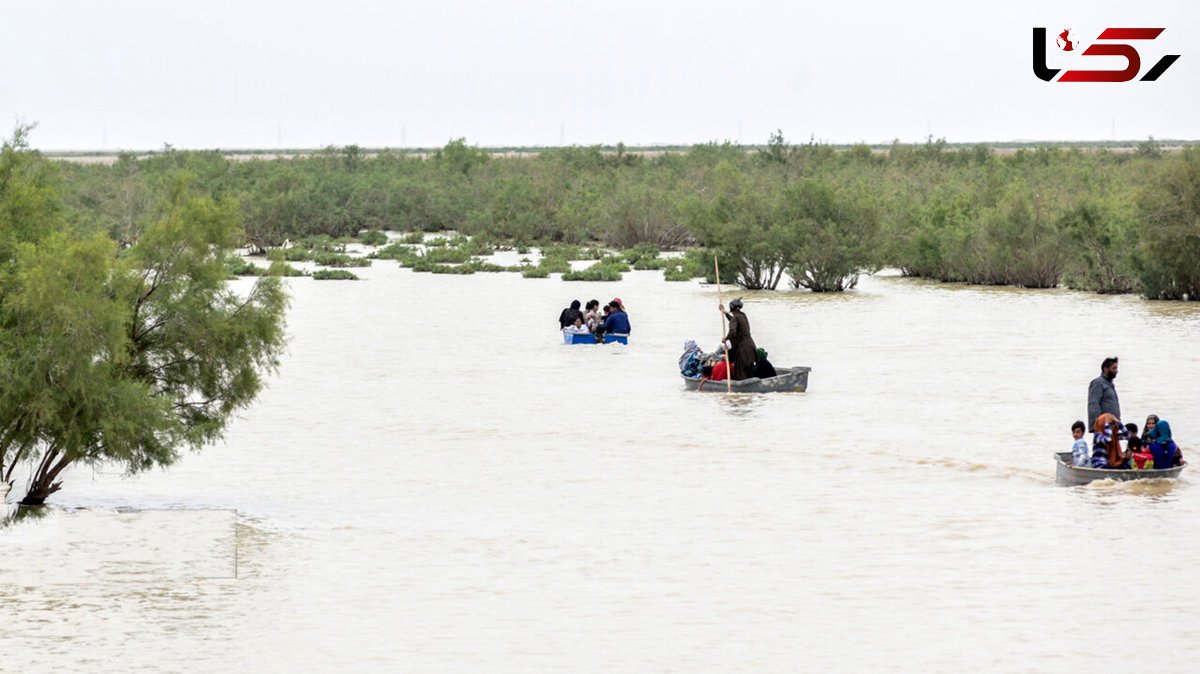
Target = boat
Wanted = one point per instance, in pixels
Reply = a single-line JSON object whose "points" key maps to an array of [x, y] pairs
{"points": [[589, 338], [1068, 473], [785, 379]]}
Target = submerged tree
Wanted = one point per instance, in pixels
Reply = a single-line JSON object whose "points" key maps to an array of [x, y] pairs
{"points": [[1168, 255], [122, 358], [831, 236]]}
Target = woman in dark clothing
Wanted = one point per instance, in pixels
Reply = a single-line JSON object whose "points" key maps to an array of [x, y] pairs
{"points": [[763, 367], [741, 344], [568, 315]]}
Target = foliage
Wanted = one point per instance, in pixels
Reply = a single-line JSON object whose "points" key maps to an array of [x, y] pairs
{"points": [[1097, 238], [596, 272], [373, 238], [1168, 252], [340, 260], [334, 275], [145, 352], [534, 272], [828, 235], [953, 213], [444, 255]]}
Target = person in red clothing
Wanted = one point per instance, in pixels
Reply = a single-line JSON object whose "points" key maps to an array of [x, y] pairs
{"points": [[718, 372]]}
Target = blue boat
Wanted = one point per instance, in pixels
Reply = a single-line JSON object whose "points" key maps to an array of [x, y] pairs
{"points": [[589, 338]]}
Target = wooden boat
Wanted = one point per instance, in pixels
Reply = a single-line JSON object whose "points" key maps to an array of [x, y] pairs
{"points": [[1068, 473], [589, 338], [785, 379]]}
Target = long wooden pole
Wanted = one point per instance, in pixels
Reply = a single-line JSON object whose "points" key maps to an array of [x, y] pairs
{"points": [[721, 303]]}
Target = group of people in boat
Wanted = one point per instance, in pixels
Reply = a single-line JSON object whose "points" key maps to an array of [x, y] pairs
{"points": [[742, 355], [612, 319], [1154, 448]]}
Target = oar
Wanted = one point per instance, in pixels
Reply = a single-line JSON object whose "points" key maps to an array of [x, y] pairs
{"points": [[720, 301]]}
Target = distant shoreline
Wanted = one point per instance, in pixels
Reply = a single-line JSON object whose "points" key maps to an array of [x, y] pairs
{"points": [[249, 154]]}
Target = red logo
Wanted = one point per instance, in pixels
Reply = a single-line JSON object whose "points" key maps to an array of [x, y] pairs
{"points": [[1133, 61]]}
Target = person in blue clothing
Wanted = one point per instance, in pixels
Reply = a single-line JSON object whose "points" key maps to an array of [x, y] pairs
{"points": [[1081, 454], [1159, 442], [617, 321]]}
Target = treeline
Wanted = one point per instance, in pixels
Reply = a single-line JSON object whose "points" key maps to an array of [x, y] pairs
{"points": [[806, 214]]}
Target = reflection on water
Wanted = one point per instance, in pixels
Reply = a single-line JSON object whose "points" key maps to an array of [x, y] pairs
{"points": [[421, 490]]}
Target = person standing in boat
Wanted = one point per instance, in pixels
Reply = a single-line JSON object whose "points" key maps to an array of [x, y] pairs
{"points": [[742, 351], [1102, 394]]}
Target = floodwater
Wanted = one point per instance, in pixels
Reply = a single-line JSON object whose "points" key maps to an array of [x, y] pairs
{"points": [[434, 483]]}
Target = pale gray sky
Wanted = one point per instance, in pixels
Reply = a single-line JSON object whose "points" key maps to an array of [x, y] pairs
{"points": [[268, 73]]}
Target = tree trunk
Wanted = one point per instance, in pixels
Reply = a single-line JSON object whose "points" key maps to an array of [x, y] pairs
{"points": [[43, 484]]}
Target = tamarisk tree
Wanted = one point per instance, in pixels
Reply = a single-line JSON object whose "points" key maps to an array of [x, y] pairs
{"points": [[120, 356]]}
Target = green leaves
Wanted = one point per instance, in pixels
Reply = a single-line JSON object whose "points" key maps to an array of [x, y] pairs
{"points": [[124, 358]]}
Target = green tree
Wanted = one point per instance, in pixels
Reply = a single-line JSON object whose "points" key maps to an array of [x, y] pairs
{"points": [[125, 359], [830, 235], [1097, 234], [1168, 254]]}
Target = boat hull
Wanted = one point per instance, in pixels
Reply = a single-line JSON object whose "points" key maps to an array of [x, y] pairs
{"points": [[1068, 473], [588, 338], [785, 379]]}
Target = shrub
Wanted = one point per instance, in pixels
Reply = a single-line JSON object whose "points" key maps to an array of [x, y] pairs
{"points": [[333, 275], [453, 269], [339, 260], [284, 269], [239, 266], [373, 238], [677, 273], [295, 255], [394, 251], [596, 272], [444, 255]]}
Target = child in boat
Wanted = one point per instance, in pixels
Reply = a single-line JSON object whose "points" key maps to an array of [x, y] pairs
{"points": [[577, 328], [1134, 444], [1140, 459], [1080, 453]]}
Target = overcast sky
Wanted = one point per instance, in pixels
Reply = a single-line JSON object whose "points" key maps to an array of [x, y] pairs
{"points": [[399, 73]]}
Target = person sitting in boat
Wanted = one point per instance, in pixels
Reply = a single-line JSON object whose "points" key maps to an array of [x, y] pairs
{"points": [[1139, 459], [592, 317], [601, 319], [1159, 442], [763, 367], [1134, 443], [1081, 454], [718, 372], [568, 315], [577, 329], [1106, 446], [689, 362], [617, 321]]}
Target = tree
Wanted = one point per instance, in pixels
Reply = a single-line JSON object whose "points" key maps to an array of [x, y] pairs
{"points": [[830, 235], [1168, 254], [124, 358], [1098, 234]]}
